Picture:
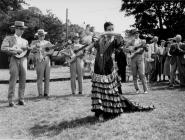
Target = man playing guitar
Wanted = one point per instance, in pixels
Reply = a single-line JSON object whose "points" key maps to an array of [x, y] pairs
{"points": [[75, 54], [42, 50], [137, 48], [17, 47]]}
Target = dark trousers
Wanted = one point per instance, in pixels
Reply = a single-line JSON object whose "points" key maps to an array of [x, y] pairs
{"points": [[122, 73], [155, 69]]}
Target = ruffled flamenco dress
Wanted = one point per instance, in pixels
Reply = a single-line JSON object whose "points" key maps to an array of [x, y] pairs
{"points": [[107, 98]]}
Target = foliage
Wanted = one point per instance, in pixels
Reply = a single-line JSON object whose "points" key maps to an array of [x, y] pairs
{"points": [[162, 18], [12, 10], [35, 19], [6, 5]]}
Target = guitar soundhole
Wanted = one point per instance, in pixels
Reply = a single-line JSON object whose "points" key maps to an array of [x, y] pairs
{"points": [[47, 49]]}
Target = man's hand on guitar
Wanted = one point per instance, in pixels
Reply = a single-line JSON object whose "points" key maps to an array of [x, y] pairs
{"points": [[15, 51], [19, 51]]}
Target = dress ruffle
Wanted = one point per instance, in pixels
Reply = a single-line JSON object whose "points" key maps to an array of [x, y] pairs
{"points": [[105, 79], [106, 97]]}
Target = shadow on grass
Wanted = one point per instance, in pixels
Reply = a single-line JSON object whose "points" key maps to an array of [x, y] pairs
{"points": [[165, 88], [55, 129], [51, 97], [159, 88]]}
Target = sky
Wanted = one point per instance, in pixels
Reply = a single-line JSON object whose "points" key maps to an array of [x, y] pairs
{"points": [[93, 12]]}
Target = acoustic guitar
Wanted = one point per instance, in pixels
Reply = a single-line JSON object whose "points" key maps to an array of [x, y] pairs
{"points": [[20, 50], [73, 54], [136, 49]]}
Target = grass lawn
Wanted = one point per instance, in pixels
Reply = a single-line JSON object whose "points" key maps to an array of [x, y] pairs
{"points": [[66, 117]]}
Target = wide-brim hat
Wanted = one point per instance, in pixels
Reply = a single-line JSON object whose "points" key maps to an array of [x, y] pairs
{"points": [[41, 32], [19, 24], [76, 36]]}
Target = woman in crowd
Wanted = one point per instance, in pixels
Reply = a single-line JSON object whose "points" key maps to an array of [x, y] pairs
{"points": [[107, 101]]}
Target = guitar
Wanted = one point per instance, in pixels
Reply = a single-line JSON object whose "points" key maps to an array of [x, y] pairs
{"points": [[73, 54], [136, 49], [41, 50], [20, 50]]}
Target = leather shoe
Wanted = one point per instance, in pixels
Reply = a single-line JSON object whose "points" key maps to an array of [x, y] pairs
{"points": [[21, 102], [46, 95], [11, 104]]}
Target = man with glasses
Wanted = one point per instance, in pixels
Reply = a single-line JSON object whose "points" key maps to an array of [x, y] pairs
{"points": [[42, 50], [15, 46]]}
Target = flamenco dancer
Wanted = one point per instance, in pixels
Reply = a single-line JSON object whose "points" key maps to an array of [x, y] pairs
{"points": [[107, 101]]}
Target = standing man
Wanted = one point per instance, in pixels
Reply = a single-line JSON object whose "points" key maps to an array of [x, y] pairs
{"points": [[137, 61], [155, 64], [173, 61], [17, 47], [87, 36], [76, 67], [161, 59], [42, 50]]}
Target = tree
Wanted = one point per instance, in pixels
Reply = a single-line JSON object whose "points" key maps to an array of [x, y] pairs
{"points": [[162, 18], [11, 10], [7, 5]]}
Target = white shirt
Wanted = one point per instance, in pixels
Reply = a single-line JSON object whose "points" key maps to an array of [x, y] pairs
{"points": [[20, 42], [137, 41], [154, 48], [161, 50], [148, 54]]}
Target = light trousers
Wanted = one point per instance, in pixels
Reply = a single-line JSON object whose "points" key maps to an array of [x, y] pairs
{"points": [[43, 72], [18, 69], [76, 69], [138, 67]]}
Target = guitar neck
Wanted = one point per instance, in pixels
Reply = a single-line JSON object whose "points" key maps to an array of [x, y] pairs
{"points": [[76, 51], [53, 47]]}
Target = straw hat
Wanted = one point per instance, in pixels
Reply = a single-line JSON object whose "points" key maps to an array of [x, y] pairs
{"points": [[41, 32], [76, 36], [19, 24]]}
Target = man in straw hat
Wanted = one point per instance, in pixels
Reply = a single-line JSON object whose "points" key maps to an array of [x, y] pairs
{"points": [[42, 50], [15, 45], [76, 67], [137, 61]]}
